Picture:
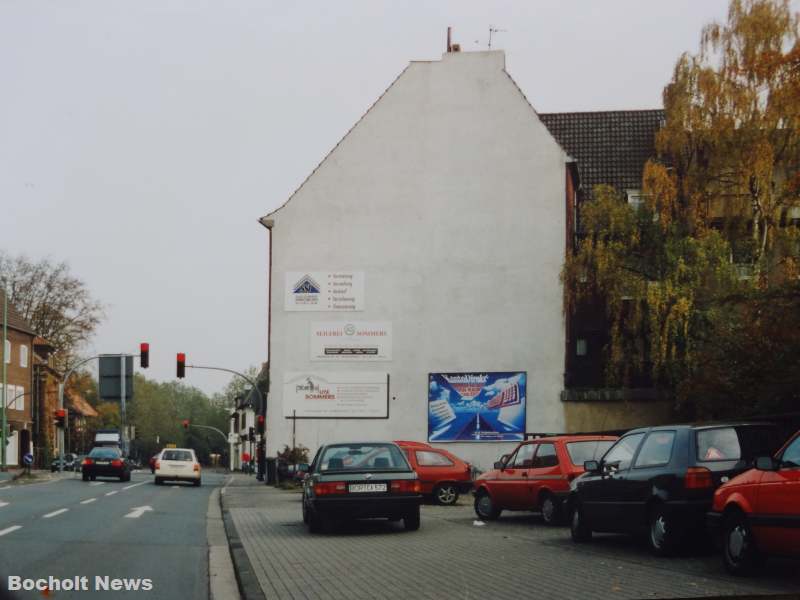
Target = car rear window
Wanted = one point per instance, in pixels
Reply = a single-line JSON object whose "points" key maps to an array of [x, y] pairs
{"points": [[426, 458], [363, 457], [580, 452], [183, 455], [734, 443], [105, 453]]}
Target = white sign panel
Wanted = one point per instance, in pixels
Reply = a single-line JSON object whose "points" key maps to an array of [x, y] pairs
{"points": [[342, 395], [324, 290], [348, 341]]}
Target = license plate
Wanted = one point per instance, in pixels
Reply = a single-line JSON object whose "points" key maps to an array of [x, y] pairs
{"points": [[102, 462], [356, 488]]}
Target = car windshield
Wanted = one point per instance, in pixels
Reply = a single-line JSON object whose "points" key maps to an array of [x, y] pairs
{"points": [[363, 457], [580, 452], [105, 453], [183, 455]]}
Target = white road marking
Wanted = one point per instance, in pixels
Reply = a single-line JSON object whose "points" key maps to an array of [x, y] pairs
{"points": [[88, 500], [112, 493], [5, 487], [2, 504], [10, 529], [127, 487], [55, 512], [97, 483], [175, 487], [138, 512]]}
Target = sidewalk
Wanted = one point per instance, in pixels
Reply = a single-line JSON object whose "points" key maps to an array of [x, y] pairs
{"points": [[37, 475]]}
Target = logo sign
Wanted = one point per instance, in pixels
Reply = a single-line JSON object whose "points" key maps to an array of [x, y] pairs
{"points": [[336, 395], [335, 291], [352, 341], [476, 407]]}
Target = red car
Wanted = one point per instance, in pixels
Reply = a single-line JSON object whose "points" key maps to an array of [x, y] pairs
{"points": [[536, 476], [758, 512], [442, 474]]}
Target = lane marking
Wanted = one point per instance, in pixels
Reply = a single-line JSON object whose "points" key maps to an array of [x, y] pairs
{"points": [[10, 529], [175, 487], [138, 512], [88, 500], [112, 493], [5, 487], [55, 513], [2, 504], [97, 483], [127, 487]]}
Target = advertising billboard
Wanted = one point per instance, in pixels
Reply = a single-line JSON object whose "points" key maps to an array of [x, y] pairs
{"points": [[476, 407], [336, 395], [351, 341], [326, 291]]}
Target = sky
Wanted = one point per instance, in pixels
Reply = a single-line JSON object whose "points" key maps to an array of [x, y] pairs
{"points": [[141, 140]]}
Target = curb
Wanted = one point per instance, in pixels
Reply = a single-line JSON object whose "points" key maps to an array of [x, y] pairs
{"points": [[249, 587]]}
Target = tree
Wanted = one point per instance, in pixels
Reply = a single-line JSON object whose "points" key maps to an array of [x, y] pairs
{"points": [[237, 387], [730, 147], [57, 304]]}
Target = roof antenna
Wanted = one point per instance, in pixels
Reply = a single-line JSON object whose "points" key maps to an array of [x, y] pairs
{"points": [[493, 29]]}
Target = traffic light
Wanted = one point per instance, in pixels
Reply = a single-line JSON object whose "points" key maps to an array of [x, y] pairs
{"points": [[144, 355], [181, 365], [60, 415], [261, 422], [186, 424], [252, 434]]}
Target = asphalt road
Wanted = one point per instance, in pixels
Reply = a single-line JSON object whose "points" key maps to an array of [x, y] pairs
{"points": [[107, 528]]}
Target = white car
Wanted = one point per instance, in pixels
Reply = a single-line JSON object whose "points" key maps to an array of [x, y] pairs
{"points": [[177, 464]]}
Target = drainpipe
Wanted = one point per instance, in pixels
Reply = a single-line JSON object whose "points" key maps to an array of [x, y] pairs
{"points": [[269, 224]]}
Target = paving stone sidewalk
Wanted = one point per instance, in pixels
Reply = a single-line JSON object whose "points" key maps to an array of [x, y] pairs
{"points": [[450, 557]]}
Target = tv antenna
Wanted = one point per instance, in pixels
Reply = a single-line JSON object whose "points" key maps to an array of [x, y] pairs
{"points": [[493, 30]]}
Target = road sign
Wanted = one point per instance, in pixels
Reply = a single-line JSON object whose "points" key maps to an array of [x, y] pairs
{"points": [[110, 380], [28, 459]]}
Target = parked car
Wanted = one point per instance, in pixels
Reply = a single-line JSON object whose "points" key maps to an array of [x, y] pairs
{"points": [[536, 475], [661, 480], [69, 463], [178, 464], [152, 462], [442, 475], [758, 512], [360, 480], [106, 461]]}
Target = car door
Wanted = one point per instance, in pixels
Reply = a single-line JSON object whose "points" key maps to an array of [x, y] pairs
{"points": [[777, 510], [650, 474], [513, 479], [602, 496], [545, 471]]}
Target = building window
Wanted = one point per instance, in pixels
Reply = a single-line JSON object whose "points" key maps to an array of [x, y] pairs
{"points": [[23, 356], [581, 347], [8, 352]]}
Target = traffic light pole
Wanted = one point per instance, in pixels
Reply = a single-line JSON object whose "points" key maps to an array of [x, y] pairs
{"points": [[262, 410]]}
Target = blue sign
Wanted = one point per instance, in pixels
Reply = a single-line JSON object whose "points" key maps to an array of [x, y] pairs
{"points": [[28, 459], [476, 407]]}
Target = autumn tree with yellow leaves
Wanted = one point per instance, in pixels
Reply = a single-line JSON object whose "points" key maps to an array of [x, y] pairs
{"points": [[715, 249]]}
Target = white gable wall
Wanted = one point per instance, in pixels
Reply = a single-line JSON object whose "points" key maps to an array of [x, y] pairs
{"points": [[450, 195]]}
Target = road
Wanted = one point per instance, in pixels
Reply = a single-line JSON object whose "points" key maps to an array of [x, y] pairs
{"points": [[134, 530]]}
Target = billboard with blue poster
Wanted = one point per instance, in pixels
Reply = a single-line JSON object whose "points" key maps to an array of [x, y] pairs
{"points": [[476, 407]]}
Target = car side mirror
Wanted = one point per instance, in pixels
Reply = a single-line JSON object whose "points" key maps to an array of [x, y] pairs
{"points": [[766, 463], [591, 466]]}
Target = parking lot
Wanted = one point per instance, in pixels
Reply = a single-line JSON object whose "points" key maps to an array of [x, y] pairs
{"points": [[452, 557]]}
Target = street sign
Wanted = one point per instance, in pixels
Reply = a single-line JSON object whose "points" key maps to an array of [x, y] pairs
{"points": [[171, 446], [110, 380], [28, 459]]}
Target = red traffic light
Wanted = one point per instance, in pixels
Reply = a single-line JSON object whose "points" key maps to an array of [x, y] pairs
{"points": [[186, 424], [60, 415], [144, 355], [181, 365]]}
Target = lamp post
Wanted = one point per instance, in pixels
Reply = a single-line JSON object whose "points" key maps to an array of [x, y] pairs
{"points": [[3, 431]]}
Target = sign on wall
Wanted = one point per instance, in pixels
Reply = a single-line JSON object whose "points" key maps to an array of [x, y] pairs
{"points": [[476, 407], [351, 341], [336, 395], [324, 290]]}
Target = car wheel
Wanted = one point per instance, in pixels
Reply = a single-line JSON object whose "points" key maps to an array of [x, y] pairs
{"points": [[85, 477], [316, 523], [485, 507], [92, 477], [579, 529], [305, 512], [550, 508], [159, 481], [739, 552], [411, 520], [196, 483], [445, 494], [664, 536]]}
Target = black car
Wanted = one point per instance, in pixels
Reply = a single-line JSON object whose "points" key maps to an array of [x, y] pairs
{"points": [[70, 463], [360, 481], [106, 462], [661, 480]]}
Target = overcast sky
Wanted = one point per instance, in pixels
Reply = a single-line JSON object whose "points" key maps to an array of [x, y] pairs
{"points": [[141, 140]]}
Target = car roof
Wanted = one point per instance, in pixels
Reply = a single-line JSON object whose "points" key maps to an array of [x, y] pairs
{"points": [[413, 444], [184, 449], [701, 426], [572, 438]]}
